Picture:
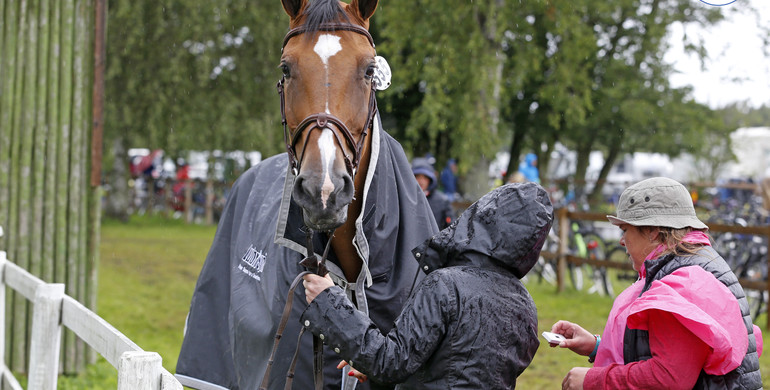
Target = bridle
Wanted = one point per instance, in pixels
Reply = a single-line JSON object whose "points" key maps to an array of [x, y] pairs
{"points": [[310, 262], [321, 120]]}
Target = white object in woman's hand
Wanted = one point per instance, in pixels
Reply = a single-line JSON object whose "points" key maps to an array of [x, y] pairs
{"points": [[578, 340], [314, 284]]}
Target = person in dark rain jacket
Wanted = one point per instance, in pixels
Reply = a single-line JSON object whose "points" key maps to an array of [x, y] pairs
{"points": [[438, 201], [470, 323]]}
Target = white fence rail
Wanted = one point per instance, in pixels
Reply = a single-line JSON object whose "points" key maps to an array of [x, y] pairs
{"points": [[52, 309]]}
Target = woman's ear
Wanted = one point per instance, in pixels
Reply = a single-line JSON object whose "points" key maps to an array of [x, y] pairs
{"points": [[653, 234]]}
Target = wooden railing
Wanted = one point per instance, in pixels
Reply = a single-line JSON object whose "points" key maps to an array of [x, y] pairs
{"points": [[564, 217], [52, 309]]}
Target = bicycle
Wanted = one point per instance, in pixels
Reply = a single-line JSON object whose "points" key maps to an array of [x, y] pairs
{"points": [[545, 268], [618, 276], [586, 243]]}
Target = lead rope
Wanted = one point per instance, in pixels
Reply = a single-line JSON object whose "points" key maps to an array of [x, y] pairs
{"points": [[319, 268]]}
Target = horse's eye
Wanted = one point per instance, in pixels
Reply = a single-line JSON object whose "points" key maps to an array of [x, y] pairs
{"points": [[370, 71], [285, 70]]}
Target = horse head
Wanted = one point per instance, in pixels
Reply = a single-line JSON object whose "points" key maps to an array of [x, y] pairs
{"points": [[327, 100]]}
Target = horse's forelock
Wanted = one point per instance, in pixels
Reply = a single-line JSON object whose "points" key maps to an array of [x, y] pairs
{"points": [[323, 11]]}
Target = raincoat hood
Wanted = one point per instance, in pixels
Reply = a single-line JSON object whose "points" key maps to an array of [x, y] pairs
{"points": [[507, 226], [419, 168], [529, 159]]}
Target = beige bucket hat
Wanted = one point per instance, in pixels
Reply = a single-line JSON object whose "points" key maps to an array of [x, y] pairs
{"points": [[658, 201]]}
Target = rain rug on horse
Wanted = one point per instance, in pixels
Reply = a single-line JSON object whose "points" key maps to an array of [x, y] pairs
{"points": [[344, 191]]}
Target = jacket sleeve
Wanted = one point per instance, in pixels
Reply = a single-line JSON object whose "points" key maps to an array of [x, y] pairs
{"points": [[390, 358], [678, 356]]}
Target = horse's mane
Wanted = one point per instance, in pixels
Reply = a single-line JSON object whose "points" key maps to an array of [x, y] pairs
{"points": [[323, 11]]}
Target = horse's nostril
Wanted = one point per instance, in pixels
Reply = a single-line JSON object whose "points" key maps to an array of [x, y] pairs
{"points": [[302, 192], [348, 187]]}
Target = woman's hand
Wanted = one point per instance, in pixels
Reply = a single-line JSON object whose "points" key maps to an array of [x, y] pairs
{"points": [[314, 284], [574, 379], [578, 340], [353, 372]]}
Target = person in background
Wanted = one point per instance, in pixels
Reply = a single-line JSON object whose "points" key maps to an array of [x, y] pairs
{"points": [[517, 177], [470, 323], [685, 323], [528, 168], [448, 178], [438, 201]]}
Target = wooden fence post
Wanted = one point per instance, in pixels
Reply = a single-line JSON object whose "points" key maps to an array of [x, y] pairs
{"points": [[46, 337], [561, 256], [3, 261], [767, 287], [139, 370]]}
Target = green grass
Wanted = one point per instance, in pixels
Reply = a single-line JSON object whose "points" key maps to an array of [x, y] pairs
{"points": [[148, 271]]}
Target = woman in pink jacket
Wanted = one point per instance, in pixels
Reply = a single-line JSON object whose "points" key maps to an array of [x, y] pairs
{"points": [[685, 323]]}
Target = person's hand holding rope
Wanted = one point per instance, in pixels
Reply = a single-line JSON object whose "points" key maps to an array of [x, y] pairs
{"points": [[314, 284]]}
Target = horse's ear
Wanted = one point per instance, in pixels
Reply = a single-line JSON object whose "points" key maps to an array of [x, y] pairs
{"points": [[365, 8], [292, 7]]}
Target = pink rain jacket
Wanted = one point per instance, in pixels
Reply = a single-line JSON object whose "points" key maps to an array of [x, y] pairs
{"points": [[700, 302]]}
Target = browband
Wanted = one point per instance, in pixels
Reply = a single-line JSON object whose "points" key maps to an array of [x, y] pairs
{"points": [[336, 26]]}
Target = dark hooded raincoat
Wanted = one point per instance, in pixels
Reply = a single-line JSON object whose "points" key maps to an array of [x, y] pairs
{"points": [[241, 290], [471, 323]]}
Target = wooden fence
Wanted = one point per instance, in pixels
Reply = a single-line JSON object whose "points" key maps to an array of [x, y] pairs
{"points": [[51, 62], [52, 310], [565, 217]]}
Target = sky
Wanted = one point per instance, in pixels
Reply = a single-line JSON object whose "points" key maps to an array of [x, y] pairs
{"points": [[737, 69]]}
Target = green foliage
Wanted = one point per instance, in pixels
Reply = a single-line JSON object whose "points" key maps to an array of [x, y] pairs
{"points": [[470, 77], [740, 114], [194, 74]]}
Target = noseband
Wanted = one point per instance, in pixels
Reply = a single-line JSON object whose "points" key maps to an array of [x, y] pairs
{"points": [[322, 120]]}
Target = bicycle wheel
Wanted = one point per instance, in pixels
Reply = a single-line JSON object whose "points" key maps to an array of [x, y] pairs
{"points": [[755, 269], [618, 278], [545, 271], [757, 302], [587, 277], [545, 268]]}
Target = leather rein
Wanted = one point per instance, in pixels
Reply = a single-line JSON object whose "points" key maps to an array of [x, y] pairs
{"points": [[322, 120], [310, 262]]}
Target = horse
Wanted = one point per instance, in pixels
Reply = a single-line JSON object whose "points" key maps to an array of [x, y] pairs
{"points": [[344, 186]]}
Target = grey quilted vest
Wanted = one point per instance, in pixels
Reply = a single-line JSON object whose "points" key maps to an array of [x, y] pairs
{"points": [[636, 343]]}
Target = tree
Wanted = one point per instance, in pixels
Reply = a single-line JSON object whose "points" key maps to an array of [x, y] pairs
{"points": [[190, 75], [446, 91], [602, 82]]}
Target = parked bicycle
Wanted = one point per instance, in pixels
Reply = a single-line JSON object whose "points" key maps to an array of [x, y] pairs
{"points": [[585, 242]]}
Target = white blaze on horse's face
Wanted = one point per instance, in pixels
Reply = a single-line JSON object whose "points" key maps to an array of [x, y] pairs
{"points": [[326, 47], [326, 145]]}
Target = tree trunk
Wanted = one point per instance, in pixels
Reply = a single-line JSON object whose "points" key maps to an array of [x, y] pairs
{"points": [[188, 200], [595, 197], [581, 167], [515, 152], [118, 198], [210, 201], [544, 163], [476, 182]]}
